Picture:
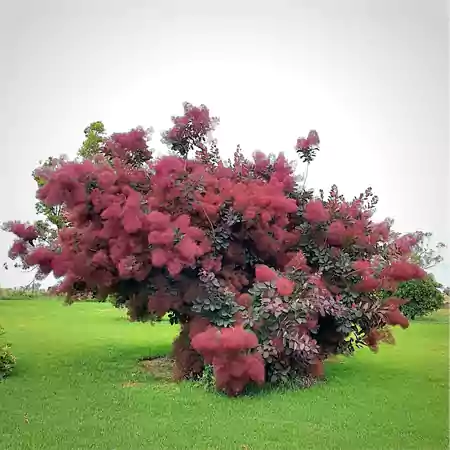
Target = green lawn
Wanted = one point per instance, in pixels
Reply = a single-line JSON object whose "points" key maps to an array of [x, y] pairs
{"points": [[78, 386]]}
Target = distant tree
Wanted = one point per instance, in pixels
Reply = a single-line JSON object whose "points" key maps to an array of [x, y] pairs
{"points": [[423, 296], [95, 136], [53, 214]]}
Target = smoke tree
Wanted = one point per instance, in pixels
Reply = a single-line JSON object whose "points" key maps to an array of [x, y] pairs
{"points": [[53, 217], [265, 278]]}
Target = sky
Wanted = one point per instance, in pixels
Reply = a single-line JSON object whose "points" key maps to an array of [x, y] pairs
{"points": [[372, 77]]}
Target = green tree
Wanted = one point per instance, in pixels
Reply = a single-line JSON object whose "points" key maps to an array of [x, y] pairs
{"points": [[424, 297], [54, 218], [94, 137]]}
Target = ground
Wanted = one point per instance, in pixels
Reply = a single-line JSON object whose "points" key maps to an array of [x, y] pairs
{"points": [[78, 385]]}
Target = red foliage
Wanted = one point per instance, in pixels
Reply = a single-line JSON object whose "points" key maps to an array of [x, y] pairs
{"points": [[228, 352], [338, 233], [367, 284], [404, 244], [402, 270], [42, 257], [315, 212], [264, 273], [285, 286], [304, 144], [216, 244], [393, 313], [374, 337], [244, 300], [195, 121], [127, 145], [363, 267], [25, 232], [298, 262], [19, 248]]}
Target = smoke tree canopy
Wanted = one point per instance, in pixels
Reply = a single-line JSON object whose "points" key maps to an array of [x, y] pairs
{"points": [[265, 278], [53, 216]]}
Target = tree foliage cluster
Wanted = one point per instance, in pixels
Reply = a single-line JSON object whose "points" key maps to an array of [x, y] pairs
{"points": [[265, 278], [7, 358], [423, 297]]}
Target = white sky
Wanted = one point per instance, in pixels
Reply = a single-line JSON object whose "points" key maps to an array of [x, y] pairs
{"points": [[370, 76]]}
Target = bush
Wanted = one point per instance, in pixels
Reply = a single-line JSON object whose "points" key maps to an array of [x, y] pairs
{"points": [[20, 293], [424, 297], [265, 278], [207, 380], [7, 359]]}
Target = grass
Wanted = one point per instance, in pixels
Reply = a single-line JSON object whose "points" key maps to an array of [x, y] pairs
{"points": [[78, 386]]}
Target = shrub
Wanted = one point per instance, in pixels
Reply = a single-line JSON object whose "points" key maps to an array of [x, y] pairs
{"points": [[207, 380], [265, 278], [423, 296], [7, 359], [22, 293]]}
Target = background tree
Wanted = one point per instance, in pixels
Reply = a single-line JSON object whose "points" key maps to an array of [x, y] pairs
{"points": [[423, 296], [95, 136], [53, 215], [424, 254]]}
